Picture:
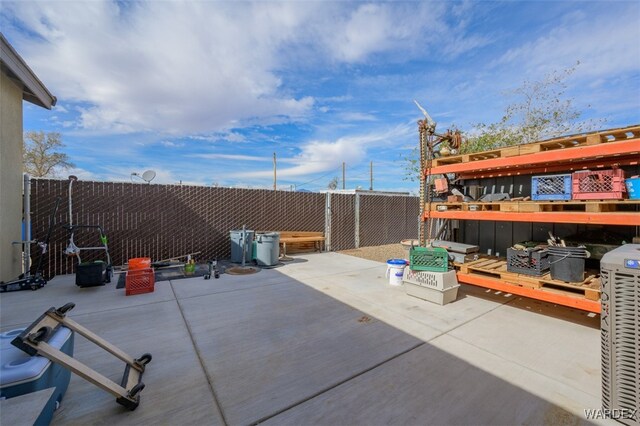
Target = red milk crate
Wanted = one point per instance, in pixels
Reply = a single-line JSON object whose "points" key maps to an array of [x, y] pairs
{"points": [[599, 185], [139, 281], [139, 263]]}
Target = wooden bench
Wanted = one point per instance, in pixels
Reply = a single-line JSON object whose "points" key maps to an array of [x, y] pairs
{"points": [[301, 240]]}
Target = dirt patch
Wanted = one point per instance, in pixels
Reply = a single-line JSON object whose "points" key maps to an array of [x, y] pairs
{"points": [[378, 253], [365, 319]]}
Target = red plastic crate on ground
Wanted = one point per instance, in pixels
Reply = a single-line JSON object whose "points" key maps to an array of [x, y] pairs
{"points": [[139, 263], [139, 281], [599, 185]]}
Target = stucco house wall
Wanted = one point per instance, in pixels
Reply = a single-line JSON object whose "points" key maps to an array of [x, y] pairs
{"points": [[10, 178], [18, 83]]}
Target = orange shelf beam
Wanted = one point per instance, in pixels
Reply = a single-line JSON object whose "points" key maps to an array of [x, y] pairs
{"points": [[609, 218], [526, 162], [558, 299], [602, 163]]}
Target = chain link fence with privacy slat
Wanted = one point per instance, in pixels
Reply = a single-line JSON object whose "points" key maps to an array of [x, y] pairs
{"points": [[385, 219], [165, 221], [343, 227]]}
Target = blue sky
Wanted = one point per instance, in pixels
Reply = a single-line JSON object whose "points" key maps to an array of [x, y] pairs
{"points": [[205, 92]]}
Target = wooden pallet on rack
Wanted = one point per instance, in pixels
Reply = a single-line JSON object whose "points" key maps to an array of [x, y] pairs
{"points": [[613, 135], [590, 206], [509, 151], [589, 287]]}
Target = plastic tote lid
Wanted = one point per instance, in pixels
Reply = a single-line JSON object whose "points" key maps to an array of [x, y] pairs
{"points": [[397, 262], [18, 366]]}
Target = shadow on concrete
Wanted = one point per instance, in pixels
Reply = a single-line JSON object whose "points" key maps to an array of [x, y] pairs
{"points": [[289, 354]]}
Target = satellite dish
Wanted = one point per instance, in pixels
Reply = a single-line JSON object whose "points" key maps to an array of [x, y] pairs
{"points": [[148, 176]]}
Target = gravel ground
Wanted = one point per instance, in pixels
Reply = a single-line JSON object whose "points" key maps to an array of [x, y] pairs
{"points": [[378, 253]]}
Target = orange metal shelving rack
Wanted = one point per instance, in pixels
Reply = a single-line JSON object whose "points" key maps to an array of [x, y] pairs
{"points": [[595, 150], [589, 218]]}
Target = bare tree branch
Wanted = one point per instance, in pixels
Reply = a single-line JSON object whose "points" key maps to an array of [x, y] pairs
{"points": [[40, 155]]}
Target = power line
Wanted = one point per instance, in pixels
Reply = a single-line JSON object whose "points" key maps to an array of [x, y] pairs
{"points": [[320, 177]]}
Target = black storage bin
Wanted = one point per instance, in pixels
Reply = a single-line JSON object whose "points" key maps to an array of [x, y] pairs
{"points": [[91, 274], [528, 262], [567, 263]]}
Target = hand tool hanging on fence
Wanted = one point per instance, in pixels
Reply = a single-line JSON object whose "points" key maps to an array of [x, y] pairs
{"points": [[74, 251], [37, 280], [34, 340]]}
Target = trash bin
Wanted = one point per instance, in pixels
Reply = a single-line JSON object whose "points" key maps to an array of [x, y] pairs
{"points": [[567, 263], [267, 248], [237, 241]]}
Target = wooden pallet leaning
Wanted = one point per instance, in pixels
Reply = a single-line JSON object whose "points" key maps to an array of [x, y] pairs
{"points": [[567, 142], [590, 206], [589, 287]]}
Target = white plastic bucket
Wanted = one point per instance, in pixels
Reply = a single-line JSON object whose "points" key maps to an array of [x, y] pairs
{"points": [[395, 270]]}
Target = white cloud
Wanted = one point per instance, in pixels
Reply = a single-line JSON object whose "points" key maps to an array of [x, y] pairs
{"points": [[234, 137], [406, 29], [357, 116], [232, 157], [163, 175], [80, 173], [193, 68], [606, 44], [175, 67], [322, 156], [170, 144], [369, 29]]}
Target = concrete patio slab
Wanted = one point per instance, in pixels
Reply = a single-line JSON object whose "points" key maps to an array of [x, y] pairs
{"points": [[193, 287], [325, 339], [371, 287], [23, 307], [176, 392], [326, 265], [377, 309], [272, 347], [529, 333], [444, 382]]}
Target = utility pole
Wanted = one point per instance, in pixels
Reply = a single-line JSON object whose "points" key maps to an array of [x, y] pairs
{"points": [[343, 174], [371, 176], [274, 171]]}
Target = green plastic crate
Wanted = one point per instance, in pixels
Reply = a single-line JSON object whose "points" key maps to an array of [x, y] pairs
{"points": [[434, 259]]}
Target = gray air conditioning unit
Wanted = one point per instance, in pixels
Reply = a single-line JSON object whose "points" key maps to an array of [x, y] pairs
{"points": [[620, 327]]}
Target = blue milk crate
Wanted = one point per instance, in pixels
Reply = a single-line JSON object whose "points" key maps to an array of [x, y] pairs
{"points": [[633, 188], [551, 187]]}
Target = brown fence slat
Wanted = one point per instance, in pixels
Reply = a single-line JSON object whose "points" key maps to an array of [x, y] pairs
{"points": [[164, 221]]}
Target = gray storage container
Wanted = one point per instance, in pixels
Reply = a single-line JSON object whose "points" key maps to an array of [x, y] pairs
{"points": [[237, 243], [567, 263], [267, 248]]}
